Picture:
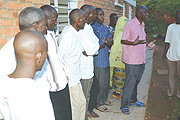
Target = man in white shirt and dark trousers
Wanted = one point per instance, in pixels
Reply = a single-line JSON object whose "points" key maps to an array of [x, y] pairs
{"points": [[90, 45], [70, 50], [59, 92]]}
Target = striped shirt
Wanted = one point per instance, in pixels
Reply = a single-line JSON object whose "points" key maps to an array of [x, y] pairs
{"points": [[101, 31], [70, 51]]}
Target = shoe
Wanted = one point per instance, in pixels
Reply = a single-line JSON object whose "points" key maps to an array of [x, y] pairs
{"points": [[178, 118], [94, 115], [116, 95], [138, 104], [102, 108], [125, 111]]}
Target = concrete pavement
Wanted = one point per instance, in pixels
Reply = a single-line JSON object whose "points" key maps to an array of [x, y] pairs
{"points": [[137, 113]]}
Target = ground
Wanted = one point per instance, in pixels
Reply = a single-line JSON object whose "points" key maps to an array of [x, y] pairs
{"points": [[160, 106]]}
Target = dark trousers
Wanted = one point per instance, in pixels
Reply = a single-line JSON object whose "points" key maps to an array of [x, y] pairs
{"points": [[100, 87], [61, 104], [133, 77]]}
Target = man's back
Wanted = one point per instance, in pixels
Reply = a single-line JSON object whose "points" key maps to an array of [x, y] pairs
{"points": [[24, 99]]}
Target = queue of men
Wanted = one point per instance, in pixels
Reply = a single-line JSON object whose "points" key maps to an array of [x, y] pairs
{"points": [[44, 78]]}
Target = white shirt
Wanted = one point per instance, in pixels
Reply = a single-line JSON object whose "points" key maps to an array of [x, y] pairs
{"points": [[90, 44], [70, 51], [7, 58], [58, 66], [173, 37], [24, 99]]}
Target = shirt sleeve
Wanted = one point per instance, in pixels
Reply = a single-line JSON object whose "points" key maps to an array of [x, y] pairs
{"points": [[90, 46], [168, 35], [65, 44], [7, 59]]}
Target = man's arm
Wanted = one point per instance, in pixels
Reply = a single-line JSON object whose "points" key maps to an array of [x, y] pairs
{"points": [[164, 58], [136, 42]]}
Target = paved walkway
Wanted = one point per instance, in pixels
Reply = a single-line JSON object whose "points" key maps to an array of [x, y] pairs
{"points": [[137, 113]]}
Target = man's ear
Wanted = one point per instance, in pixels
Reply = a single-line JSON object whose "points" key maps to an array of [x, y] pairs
{"points": [[34, 26], [38, 57]]}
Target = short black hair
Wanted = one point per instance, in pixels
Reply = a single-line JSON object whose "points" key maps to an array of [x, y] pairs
{"points": [[113, 14]]}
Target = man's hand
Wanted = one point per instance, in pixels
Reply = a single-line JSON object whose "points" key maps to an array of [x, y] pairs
{"points": [[137, 41], [153, 46], [84, 53], [164, 58]]}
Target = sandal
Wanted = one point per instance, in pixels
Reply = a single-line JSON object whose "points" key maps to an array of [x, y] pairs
{"points": [[125, 111], [102, 108], [94, 115], [108, 103], [89, 114], [138, 104], [116, 95]]}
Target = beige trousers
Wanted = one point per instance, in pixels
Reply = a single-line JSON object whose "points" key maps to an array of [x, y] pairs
{"points": [[78, 102], [174, 69]]}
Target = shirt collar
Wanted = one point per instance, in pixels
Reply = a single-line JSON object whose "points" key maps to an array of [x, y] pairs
{"points": [[73, 29], [137, 21]]}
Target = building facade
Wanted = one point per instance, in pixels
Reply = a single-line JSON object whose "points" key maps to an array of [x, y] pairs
{"points": [[9, 11]]}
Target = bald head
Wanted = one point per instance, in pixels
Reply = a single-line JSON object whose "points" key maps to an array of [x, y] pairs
{"points": [[30, 48], [87, 8], [90, 13], [75, 14], [48, 10], [52, 16]]}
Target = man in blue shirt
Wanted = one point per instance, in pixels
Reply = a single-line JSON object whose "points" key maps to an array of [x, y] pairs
{"points": [[100, 87]]}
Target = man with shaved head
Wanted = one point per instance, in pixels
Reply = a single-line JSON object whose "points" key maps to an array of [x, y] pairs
{"points": [[30, 18], [59, 92], [70, 51], [21, 97]]}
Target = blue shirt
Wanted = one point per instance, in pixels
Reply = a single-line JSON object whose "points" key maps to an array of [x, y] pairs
{"points": [[101, 31]]}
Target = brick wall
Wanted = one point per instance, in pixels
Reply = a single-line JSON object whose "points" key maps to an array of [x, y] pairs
{"points": [[9, 12], [108, 7]]}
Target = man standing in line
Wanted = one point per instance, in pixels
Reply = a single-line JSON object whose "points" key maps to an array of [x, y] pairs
{"points": [[134, 57], [59, 90], [70, 51], [21, 98], [90, 45], [30, 18], [172, 55], [113, 20], [100, 87]]}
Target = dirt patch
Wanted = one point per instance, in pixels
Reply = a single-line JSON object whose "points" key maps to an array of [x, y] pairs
{"points": [[160, 106]]}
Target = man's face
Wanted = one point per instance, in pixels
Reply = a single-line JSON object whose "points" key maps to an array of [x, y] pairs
{"points": [[144, 14], [100, 16], [42, 26], [92, 16], [82, 21], [52, 21], [115, 18]]}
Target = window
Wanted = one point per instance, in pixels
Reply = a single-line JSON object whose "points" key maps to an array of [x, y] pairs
{"points": [[63, 8]]}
